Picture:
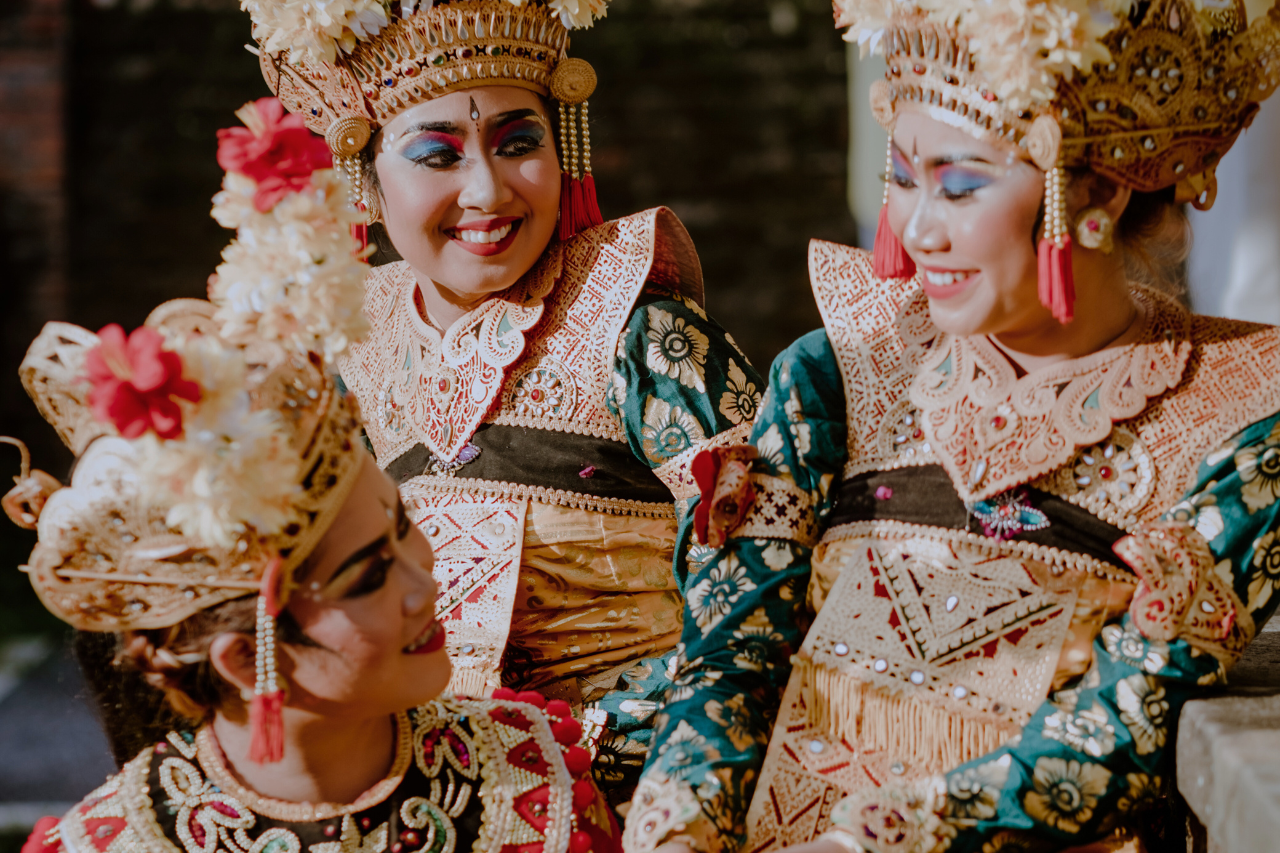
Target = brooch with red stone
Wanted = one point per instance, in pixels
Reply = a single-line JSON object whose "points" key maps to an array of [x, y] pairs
{"points": [[1008, 514]]}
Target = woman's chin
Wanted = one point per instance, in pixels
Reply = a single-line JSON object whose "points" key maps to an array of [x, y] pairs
{"points": [[958, 319]]}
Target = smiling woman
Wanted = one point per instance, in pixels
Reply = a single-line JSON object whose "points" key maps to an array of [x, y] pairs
{"points": [[225, 523], [536, 380], [1009, 509]]}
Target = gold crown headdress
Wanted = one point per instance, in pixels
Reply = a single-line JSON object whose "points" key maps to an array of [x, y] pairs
{"points": [[1150, 94], [214, 447], [348, 66]]}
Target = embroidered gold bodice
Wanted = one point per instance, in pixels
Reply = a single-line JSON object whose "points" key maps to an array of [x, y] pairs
{"points": [[467, 775], [535, 361], [933, 645]]}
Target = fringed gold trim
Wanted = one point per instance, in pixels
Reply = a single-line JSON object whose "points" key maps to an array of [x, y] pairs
{"points": [[472, 683], [909, 728], [595, 428]]}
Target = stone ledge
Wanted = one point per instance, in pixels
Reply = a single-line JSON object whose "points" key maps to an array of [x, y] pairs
{"points": [[1228, 754]]}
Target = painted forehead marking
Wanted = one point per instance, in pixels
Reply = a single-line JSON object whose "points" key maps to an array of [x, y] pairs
{"points": [[475, 111]]}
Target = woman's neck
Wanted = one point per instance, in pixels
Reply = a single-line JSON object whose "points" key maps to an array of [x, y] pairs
{"points": [[442, 306], [1106, 315], [325, 760]]}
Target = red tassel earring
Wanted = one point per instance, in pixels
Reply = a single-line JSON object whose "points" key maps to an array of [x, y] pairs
{"points": [[1053, 256], [889, 258], [266, 711], [571, 84]]}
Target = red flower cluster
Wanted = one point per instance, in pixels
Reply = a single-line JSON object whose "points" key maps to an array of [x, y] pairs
{"points": [[274, 149], [134, 380]]}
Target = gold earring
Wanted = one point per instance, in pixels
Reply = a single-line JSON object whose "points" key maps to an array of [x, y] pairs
{"points": [[363, 196], [1094, 229]]}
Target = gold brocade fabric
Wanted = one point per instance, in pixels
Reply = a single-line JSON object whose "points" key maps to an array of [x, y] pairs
{"points": [[595, 591]]}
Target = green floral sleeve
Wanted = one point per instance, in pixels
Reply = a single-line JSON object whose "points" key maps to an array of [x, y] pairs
{"points": [[744, 617], [1099, 751], [679, 381]]}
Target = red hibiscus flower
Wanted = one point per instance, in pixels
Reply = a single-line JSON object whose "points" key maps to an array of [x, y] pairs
{"points": [[274, 148], [134, 381]]}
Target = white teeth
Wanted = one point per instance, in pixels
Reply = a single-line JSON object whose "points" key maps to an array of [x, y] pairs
{"points": [[494, 236], [945, 279], [421, 641]]}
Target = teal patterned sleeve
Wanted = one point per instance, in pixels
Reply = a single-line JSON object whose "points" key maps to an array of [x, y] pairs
{"points": [[744, 617], [1097, 752], [678, 383]]}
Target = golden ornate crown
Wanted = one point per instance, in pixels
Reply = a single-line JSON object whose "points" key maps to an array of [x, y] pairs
{"points": [[1150, 94], [213, 446], [111, 557], [346, 88]]}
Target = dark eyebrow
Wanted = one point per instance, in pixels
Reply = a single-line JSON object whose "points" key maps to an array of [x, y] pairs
{"points": [[433, 126], [513, 115], [363, 554], [948, 159]]}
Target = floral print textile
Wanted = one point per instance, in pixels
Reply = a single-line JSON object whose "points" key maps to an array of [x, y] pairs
{"points": [[673, 370], [1095, 752]]}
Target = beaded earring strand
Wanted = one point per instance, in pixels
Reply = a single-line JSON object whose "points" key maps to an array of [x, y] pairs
{"points": [[1053, 256]]}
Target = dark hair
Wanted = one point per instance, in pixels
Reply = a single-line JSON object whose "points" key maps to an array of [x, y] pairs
{"points": [[1155, 235], [148, 683]]}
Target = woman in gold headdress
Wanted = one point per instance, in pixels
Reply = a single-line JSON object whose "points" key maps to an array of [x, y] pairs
{"points": [[536, 380], [1008, 510], [225, 523]]}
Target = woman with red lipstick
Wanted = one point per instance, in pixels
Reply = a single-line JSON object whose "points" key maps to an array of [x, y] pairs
{"points": [[226, 525], [536, 380], [1010, 508]]}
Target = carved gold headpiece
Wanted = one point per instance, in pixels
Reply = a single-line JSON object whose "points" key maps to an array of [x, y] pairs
{"points": [[348, 68], [112, 554], [1151, 94], [213, 446]]}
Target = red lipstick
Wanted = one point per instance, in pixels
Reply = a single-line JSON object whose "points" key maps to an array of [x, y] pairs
{"points": [[486, 249]]}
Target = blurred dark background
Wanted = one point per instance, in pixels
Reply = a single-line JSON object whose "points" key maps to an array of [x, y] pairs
{"points": [[732, 113]]}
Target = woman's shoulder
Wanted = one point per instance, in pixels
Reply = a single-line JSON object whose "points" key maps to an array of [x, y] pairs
{"points": [[654, 244], [384, 287], [105, 821], [855, 303], [528, 755]]}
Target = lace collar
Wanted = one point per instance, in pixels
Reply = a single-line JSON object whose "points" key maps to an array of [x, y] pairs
{"points": [[992, 430], [459, 376]]}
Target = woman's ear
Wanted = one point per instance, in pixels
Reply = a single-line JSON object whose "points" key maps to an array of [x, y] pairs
{"points": [[1094, 191], [232, 656]]}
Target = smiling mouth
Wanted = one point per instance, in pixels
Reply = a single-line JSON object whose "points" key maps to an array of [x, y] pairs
{"points": [[947, 278], [431, 639], [474, 236]]}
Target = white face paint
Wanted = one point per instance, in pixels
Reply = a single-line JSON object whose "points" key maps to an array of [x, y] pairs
{"points": [[965, 210]]}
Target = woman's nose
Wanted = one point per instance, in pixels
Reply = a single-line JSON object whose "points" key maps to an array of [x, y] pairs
{"points": [[485, 189], [421, 589], [925, 231]]}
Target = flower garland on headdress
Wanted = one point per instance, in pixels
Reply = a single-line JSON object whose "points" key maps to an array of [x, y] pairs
{"points": [[318, 29], [1022, 46], [292, 280]]}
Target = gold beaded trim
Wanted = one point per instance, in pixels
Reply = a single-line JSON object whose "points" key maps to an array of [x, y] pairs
{"points": [[1056, 559], [210, 757]]}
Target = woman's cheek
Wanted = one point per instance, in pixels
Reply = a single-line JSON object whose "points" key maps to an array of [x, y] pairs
{"points": [[899, 210]]}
